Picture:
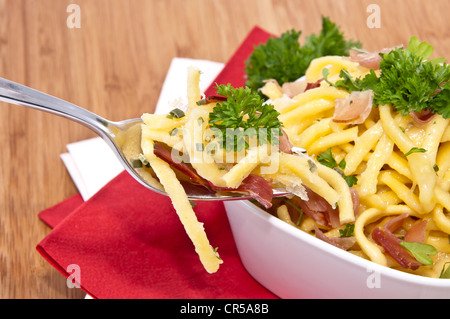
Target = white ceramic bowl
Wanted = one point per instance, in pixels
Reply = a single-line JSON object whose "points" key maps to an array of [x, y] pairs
{"points": [[294, 264]]}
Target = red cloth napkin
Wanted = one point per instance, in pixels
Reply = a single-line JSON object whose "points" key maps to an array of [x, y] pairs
{"points": [[128, 242]]}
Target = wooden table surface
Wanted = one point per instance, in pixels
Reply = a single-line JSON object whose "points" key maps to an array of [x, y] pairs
{"points": [[114, 64]]}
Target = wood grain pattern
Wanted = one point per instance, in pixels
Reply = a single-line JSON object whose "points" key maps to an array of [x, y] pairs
{"points": [[114, 65]]}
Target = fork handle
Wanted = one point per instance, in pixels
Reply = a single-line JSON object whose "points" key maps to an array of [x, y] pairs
{"points": [[18, 94]]}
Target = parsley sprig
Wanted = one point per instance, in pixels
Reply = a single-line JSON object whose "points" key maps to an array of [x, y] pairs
{"points": [[348, 231], [242, 116], [327, 159], [408, 80], [285, 60], [420, 251], [445, 272]]}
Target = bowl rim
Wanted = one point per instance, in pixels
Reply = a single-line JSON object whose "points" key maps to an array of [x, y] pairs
{"points": [[342, 254]]}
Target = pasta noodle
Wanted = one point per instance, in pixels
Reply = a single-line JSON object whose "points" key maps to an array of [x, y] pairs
{"points": [[181, 203]]}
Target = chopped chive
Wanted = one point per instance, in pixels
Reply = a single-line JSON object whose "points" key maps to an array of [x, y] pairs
{"points": [[176, 113], [217, 253], [201, 102], [211, 150], [414, 150], [173, 132], [312, 166], [300, 217], [136, 163], [199, 147], [143, 160]]}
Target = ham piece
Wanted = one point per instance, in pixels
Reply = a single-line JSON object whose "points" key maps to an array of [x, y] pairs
{"points": [[417, 232], [319, 210], [421, 117], [285, 144], [370, 60], [259, 188], [344, 243], [163, 153], [391, 244], [353, 109], [385, 238], [256, 186], [292, 89]]}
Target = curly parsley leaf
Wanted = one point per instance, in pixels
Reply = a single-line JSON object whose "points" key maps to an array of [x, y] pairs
{"points": [[349, 84], [327, 159], [242, 116], [412, 84], [285, 60], [351, 180], [408, 81], [330, 41], [279, 58]]}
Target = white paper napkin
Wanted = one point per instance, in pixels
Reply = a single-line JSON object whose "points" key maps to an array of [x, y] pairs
{"points": [[92, 164], [175, 85]]}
